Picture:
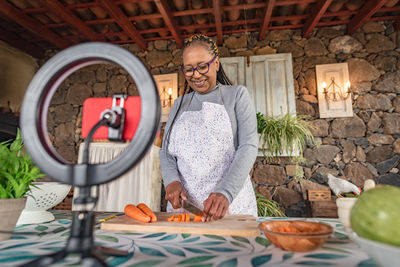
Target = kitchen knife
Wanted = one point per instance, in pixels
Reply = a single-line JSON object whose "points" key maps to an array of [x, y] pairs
{"points": [[191, 208]]}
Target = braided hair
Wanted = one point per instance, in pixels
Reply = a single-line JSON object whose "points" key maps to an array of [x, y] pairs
{"points": [[211, 46]]}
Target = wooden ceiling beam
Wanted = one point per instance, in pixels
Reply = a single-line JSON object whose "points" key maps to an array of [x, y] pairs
{"points": [[17, 42], [294, 2], [123, 21], [363, 15], [70, 18], [169, 20], [31, 24], [267, 18], [217, 18], [316, 14], [193, 12], [244, 6]]}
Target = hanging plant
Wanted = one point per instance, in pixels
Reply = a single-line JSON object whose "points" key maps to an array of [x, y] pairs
{"points": [[283, 135]]}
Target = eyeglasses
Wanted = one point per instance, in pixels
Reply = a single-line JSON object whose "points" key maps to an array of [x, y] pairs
{"points": [[201, 68]]}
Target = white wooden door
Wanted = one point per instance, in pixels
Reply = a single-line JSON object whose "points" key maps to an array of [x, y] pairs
{"points": [[234, 69], [269, 79]]}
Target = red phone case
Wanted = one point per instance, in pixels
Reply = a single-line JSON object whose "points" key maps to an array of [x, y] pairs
{"points": [[93, 107]]}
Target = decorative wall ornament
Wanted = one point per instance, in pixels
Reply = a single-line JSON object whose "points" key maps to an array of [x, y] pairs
{"points": [[167, 85], [334, 90]]}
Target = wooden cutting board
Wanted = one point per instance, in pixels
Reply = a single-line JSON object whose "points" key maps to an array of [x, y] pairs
{"points": [[230, 225]]}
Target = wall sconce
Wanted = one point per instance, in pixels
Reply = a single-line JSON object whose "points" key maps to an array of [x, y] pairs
{"points": [[166, 99], [168, 90], [334, 90]]}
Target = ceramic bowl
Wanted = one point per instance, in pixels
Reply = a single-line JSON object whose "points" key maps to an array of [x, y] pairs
{"points": [[383, 254], [345, 204], [308, 235]]}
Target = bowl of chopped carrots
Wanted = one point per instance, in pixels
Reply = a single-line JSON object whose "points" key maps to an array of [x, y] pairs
{"points": [[296, 235]]}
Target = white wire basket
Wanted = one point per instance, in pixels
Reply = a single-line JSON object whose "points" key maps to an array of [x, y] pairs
{"points": [[42, 197]]}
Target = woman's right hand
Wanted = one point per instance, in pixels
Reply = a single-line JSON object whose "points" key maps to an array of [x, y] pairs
{"points": [[174, 193]]}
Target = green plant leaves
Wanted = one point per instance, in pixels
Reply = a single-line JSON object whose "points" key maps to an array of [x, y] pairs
{"points": [[17, 172], [283, 134], [268, 207]]}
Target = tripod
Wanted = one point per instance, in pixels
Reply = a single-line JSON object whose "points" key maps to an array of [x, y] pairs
{"points": [[81, 239]]}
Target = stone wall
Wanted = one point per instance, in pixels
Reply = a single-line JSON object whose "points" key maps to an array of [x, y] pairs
{"points": [[364, 146]]}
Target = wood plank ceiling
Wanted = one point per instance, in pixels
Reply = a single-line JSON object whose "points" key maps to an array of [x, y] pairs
{"points": [[35, 26]]}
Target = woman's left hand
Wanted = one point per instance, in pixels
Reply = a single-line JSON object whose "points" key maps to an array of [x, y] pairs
{"points": [[215, 206]]}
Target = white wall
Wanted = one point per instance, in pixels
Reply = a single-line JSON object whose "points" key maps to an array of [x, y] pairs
{"points": [[16, 71]]}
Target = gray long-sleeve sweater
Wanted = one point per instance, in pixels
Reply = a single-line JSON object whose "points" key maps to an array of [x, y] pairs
{"points": [[243, 120]]}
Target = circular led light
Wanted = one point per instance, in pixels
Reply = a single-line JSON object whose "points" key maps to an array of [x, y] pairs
{"points": [[33, 120]]}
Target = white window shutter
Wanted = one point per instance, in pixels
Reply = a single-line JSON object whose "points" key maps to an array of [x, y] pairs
{"points": [[234, 69], [269, 79]]}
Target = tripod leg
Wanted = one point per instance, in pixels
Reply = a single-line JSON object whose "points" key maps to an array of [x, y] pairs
{"points": [[113, 251], [46, 259], [93, 259]]}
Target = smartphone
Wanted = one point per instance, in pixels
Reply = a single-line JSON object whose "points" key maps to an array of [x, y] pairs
{"points": [[93, 108]]}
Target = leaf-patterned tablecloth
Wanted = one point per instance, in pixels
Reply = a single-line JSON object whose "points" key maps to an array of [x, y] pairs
{"points": [[163, 249]]}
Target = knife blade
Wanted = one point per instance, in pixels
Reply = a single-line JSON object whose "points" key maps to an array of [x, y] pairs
{"points": [[191, 208]]}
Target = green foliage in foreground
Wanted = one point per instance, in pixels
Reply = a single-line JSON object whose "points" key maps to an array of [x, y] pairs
{"points": [[17, 171], [268, 207]]}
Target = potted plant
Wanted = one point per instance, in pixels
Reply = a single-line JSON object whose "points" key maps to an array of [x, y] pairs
{"points": [[17, 174], [281, 136]]}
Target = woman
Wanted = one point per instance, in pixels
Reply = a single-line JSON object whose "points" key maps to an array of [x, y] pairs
{"points": [[210, 140]]}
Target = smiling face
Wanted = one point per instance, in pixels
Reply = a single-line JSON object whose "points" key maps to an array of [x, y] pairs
{"points": [[199, 54]]}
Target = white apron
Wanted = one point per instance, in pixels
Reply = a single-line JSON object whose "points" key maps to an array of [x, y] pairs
{"points": [[202, 142]]}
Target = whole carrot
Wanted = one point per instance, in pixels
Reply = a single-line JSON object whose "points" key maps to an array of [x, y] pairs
{"points": [[135, 213], [146, 210]]}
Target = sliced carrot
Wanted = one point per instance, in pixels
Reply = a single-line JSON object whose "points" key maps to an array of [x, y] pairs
{"points": [[187, 217], [146, 210], [177, 219], [197, 218], [135, 213], [170, 219]]}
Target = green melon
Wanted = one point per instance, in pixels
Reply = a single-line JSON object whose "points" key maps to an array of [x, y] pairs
{"points": [[376, 215]]}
